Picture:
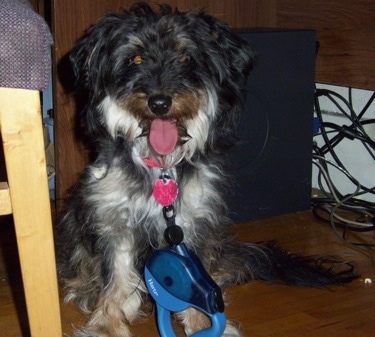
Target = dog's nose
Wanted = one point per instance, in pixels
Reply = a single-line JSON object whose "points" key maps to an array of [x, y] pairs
{"points": [[159, 104]]}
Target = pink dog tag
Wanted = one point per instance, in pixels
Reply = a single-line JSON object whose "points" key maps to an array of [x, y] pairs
{"points": [[165, 191]]}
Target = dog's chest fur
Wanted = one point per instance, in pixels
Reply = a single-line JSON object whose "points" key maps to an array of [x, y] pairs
{"points": [[122, 201]]}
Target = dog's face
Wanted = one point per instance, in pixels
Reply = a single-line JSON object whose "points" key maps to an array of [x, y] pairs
{"points": [[167, 81]]}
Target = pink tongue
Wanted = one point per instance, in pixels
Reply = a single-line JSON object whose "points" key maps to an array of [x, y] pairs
{"points": [[163, 136]]}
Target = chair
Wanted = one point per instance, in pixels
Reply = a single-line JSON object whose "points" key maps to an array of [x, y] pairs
{"points": [[25, 64]]}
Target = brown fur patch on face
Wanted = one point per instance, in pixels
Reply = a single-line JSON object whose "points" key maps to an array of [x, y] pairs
{"points": [[137, 105], [185, 106]]}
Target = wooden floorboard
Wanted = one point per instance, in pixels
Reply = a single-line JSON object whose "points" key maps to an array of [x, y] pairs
{"points": [[263, 310]]}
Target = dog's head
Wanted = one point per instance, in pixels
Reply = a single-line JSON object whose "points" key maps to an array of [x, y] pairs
{"points": [[169, 82]]}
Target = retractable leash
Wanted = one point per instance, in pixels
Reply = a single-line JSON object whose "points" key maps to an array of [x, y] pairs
{"points": [[176, 278]]}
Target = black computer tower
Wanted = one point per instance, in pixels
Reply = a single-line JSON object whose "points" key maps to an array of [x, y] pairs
{"points": [[272, 163]]}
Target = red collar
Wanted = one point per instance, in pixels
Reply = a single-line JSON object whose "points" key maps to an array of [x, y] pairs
{"points": [[152, 162]]}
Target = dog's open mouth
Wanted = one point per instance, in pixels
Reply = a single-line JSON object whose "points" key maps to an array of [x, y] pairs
{"points": [[163, 136]]}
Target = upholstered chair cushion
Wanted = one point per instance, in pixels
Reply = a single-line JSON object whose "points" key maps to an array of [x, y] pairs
{"points": [[25, 46]]}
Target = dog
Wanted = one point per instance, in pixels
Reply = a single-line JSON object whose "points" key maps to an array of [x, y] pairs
{"points": [[163, 92]]}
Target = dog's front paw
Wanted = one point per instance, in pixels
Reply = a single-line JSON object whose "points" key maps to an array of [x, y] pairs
{"points": [[118, 330], [87, 333], [231, 330]]}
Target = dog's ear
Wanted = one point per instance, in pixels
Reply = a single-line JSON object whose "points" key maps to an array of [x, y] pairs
{"points": [[236, 53], [87, 55], [230, 59], [88, 59]]}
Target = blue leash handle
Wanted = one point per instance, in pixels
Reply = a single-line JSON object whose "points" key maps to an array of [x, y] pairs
{"points": [[177, 280]]}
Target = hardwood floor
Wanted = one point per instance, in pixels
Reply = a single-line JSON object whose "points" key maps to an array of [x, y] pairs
{"points": [[264, 310]]}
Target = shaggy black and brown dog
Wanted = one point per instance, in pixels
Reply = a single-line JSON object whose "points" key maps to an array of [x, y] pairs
{"points": [[164, 91]]}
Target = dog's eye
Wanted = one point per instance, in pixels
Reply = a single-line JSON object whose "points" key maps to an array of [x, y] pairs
{"points": [[137, 60], [184, 59]]}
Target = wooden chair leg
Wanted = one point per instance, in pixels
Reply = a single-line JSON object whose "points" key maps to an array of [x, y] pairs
{"points": [[22, 135]]}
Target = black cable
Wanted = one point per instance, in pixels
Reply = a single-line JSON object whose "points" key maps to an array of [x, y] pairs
{"points": [[335, 208], [318, 209], [367, 105], [349, 132], [356, 120]]}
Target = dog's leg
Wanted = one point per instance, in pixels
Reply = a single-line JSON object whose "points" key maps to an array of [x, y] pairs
{"points": [[194, 321], [119, 302]]}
